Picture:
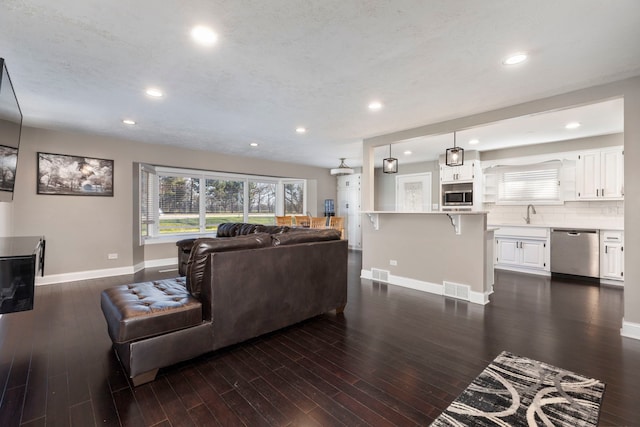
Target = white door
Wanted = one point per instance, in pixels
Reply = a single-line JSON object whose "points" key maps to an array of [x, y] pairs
{"points": [[612, 173], [532, 254], [448, 173], [413, 192], [588, 175], [465, 172], [508, 251], [612, 259]]}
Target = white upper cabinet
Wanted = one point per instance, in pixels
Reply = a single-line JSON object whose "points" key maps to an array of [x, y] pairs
{"points": [[600, 175], [449, 174]]}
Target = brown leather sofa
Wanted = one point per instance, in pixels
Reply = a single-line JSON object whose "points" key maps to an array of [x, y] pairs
{"points": [[235, 289]]}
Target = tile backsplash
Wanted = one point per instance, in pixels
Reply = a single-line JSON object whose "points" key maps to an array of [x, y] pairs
{"points": [[594, 214]]}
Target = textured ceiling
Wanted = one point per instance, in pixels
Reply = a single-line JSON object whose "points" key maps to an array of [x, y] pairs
{"points": [[279, 64]]}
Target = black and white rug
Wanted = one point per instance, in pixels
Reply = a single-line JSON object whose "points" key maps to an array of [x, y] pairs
{"points": [[516, 391]]}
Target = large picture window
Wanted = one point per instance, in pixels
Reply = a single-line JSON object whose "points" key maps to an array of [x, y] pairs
{"points": [[178, 202]]}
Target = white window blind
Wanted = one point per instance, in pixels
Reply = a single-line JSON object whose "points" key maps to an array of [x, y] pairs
{"points": [[529, 183], [148, 213]]}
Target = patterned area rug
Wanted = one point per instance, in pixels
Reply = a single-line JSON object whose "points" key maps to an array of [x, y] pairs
{"points": [[516, 391]]}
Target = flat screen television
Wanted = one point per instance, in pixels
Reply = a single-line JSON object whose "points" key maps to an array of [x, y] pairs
{"points": [[10, 130]]}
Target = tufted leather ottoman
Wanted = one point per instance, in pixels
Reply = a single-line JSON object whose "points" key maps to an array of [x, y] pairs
{"points": [[147, 309]]}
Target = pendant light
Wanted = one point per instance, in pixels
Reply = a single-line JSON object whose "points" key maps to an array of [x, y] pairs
{"points": [[342, 169], [390, 164], [455, 155]]}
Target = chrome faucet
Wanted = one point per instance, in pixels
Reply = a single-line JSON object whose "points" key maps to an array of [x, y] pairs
{"points": [[530, 208]]}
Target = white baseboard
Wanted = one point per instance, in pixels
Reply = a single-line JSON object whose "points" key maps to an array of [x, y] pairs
{"points": [[432, 288], [481, 298], [107, 272], [630, 330], [618, 283], [154, 263], [82, 275]]}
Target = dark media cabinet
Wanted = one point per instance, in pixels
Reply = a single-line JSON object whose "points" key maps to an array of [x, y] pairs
{"points": [[21, 258]]}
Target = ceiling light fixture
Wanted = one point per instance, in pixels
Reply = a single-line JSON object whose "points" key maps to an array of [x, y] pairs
{"points": [[390, 164], [129, 122], [408, 153], [454, 156], [375, 105], [204, 35], [254, 144], [474, 141], [516, 58], [572, 125], [154, 92], [301, 130], [343, 169]]}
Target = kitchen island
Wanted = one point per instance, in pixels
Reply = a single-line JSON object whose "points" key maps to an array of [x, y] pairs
{"points": [[445, 253]]}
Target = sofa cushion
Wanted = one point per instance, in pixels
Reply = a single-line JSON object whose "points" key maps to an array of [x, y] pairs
{"points": [[245, 229], [203, 247], [227, 229], [147, 309], [311, 235]]}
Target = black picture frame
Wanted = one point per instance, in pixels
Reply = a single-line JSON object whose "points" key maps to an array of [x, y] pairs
{"points": [[8, 166], [69, 175]]}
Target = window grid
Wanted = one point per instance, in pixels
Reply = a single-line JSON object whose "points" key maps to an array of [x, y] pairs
{"points": [[180, 201]]}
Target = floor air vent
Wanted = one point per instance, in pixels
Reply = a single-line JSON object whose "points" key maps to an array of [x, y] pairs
{"points": [[456, 290], [379, 275]]}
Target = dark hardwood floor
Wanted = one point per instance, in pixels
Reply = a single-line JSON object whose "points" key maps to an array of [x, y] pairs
{"points": [[396, 357]]}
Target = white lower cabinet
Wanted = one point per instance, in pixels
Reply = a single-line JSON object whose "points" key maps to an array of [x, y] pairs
{"points": [[522, 249], [612, 255], [521, 253]]}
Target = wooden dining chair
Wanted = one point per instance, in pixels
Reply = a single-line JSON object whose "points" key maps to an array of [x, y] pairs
{"points": [[302, 220], [318, 222], [284, 220], [337, 222]]}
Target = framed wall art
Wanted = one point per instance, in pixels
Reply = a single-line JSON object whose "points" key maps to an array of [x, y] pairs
{"points": [[8, 163], [62, 174]]}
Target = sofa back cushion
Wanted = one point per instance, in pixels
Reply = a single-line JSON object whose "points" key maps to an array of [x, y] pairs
{"points": [[305, 236], [227, 229], [205, 246], [233, 229]]}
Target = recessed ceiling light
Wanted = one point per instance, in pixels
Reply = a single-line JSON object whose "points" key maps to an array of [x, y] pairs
{"points": [[301, 129], [375, 105], [204, 35], [408, 153], [128, 122], [254, 144], [474, 141], [572, 125], [154, 92], [516, 58]]}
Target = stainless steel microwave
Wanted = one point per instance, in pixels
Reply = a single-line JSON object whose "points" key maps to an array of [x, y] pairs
{"points": [[454, 198]]}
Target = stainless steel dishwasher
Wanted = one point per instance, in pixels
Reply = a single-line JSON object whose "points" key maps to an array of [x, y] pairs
{"points": [[575, 251]]}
